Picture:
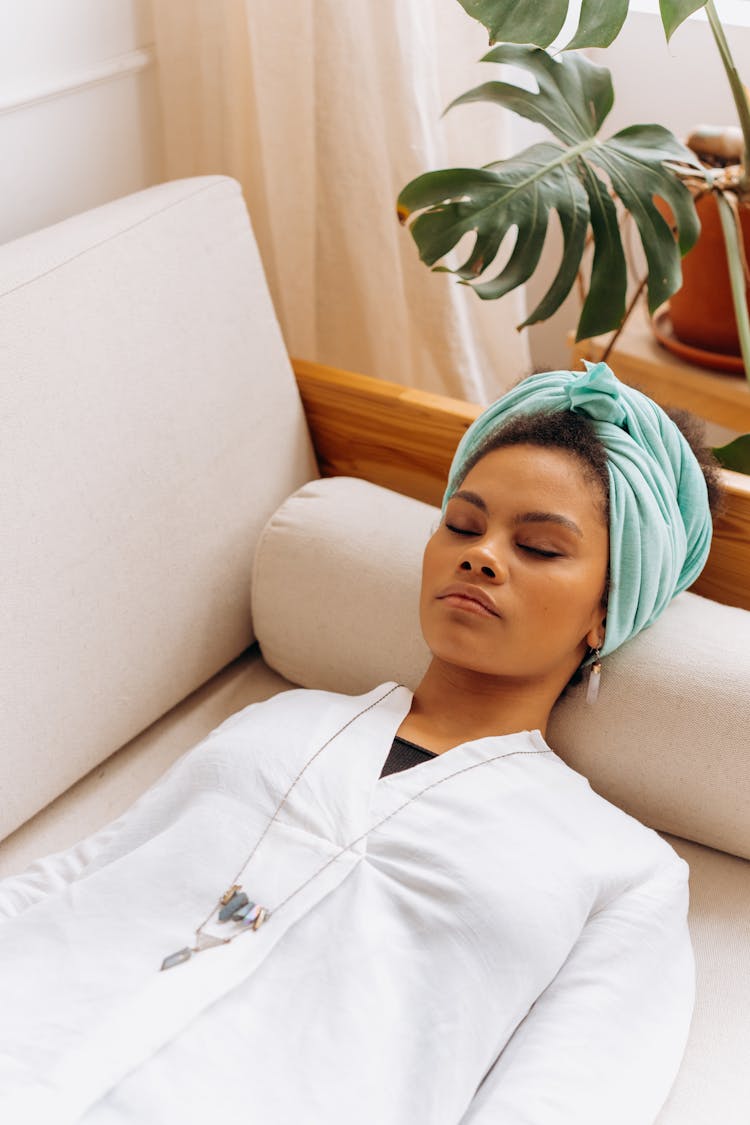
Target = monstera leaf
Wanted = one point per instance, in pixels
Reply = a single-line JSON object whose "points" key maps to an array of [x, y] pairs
{"points": [[570, 175], [735, 455], [532, 21]]}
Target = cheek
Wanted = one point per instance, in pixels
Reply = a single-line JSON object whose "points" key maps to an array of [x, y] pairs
{"points": [[438, 566], [427, 568], [432, 559], [566, 599], [430, 566]]}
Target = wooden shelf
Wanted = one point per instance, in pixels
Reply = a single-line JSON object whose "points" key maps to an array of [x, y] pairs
{"points": [[638, 360]]}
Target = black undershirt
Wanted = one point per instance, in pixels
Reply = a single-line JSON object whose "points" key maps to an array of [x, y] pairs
{"points": [[403, 755]]}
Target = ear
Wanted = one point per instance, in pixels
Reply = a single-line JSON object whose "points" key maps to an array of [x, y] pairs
{"points": [[595, 635]]}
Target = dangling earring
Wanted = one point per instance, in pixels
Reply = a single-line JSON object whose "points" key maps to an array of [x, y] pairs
{"points": [[595, 675]]}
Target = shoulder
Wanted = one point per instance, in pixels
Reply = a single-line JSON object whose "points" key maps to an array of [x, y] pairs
{"points": [[300, 705], [636, 850], [623, 848], [257, 738]]}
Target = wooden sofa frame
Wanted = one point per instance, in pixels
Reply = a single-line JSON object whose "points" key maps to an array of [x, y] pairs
{"points": [[404, 439]]}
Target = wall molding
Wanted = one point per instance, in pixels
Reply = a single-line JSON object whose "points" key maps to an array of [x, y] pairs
{"points": [[121, 66]]}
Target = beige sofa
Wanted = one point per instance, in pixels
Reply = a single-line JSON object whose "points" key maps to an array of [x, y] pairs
{"points": [[151, 429]]}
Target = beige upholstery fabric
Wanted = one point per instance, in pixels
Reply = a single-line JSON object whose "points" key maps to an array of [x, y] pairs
{"points": [[669, 737], [150, 424], [336, 586], [335, 603], [113, 786], [713, 1084]]}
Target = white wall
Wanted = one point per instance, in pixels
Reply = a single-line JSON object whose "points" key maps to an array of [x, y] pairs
{"points": [[78, 113], [679, 86]]}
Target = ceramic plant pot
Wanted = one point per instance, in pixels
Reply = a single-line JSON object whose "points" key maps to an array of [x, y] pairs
{"points": [[701, 312]]}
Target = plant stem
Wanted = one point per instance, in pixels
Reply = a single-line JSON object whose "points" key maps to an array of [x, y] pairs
{"points": [[738, 90], [732, 233], [623, 322]]}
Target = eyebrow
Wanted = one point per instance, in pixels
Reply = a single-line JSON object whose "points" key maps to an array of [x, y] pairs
{"points": [[524, 517]]}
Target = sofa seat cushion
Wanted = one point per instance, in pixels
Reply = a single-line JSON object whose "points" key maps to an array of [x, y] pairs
{"points": [[713, 1084], [109, 789]]}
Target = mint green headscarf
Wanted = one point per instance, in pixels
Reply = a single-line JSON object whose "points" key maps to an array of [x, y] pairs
{"points": [[660, 523]]}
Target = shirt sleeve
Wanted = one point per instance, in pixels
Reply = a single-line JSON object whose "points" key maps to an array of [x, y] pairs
{"points": [[605, 1039], [143, 820]]}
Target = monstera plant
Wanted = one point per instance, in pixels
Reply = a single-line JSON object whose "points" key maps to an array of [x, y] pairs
{"points": [[585, 178]]}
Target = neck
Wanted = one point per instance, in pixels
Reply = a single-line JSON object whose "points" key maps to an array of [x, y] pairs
{"points": [[453, 705]]}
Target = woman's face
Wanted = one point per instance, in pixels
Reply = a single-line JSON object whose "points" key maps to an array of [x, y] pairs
{"points": [[525, 535]]}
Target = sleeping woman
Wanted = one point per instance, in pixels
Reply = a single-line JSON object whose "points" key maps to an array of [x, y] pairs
{"points": [[401, 908]]}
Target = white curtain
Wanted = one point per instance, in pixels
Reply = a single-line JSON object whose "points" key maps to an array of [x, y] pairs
{"points": [[323, 110]]}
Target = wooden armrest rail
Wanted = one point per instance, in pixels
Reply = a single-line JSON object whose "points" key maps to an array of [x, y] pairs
{"points": [[386, 433], [405, 439]]}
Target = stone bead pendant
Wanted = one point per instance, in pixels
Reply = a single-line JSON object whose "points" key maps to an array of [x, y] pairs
{"points": [[595, 678], [238, 900], [176, 958], [233, 904], [255, 917]]}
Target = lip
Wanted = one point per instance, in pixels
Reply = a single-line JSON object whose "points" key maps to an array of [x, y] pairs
{"points": [[471, 598]]}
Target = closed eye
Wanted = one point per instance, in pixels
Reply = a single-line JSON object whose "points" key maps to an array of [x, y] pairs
{"points": [[540, 552], [524, 547]]}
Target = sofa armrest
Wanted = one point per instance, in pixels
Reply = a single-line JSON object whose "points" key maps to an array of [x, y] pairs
{"points": [[404, 439]]}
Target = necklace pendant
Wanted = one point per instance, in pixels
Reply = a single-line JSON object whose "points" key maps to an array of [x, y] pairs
{"points": [[177, 958], [230, 893], [207, 941], [251, 915], [258, 919], [243, 911], [232, 905]]}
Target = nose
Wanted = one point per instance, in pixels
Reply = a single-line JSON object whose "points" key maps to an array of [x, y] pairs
{"points": [[481, 560]]}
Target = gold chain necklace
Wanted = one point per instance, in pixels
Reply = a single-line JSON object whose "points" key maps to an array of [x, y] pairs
{"points": [[234, 905]]}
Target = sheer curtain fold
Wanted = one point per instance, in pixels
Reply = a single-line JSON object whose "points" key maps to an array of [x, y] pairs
{"points": [[323, 110]]}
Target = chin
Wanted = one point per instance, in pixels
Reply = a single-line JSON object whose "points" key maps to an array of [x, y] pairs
{"points": [[462, 654]]}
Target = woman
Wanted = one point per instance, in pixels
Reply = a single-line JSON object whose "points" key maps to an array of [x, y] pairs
{"points": [[443, 922]]}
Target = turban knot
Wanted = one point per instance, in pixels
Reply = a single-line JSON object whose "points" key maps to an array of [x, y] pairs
{"points": [[596, 393]]}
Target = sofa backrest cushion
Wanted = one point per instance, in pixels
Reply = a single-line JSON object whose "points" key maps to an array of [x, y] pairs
{"points": [[336, 606], [150, 424]]}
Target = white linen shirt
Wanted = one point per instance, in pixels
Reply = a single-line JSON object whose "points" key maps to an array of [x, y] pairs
{"points": [[499, 945]]}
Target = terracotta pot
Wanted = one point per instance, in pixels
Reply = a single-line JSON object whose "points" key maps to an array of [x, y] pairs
{"points": [[701, 312]]}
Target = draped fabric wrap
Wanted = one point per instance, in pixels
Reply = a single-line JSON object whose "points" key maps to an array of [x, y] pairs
{"points": [[660, 523]]}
